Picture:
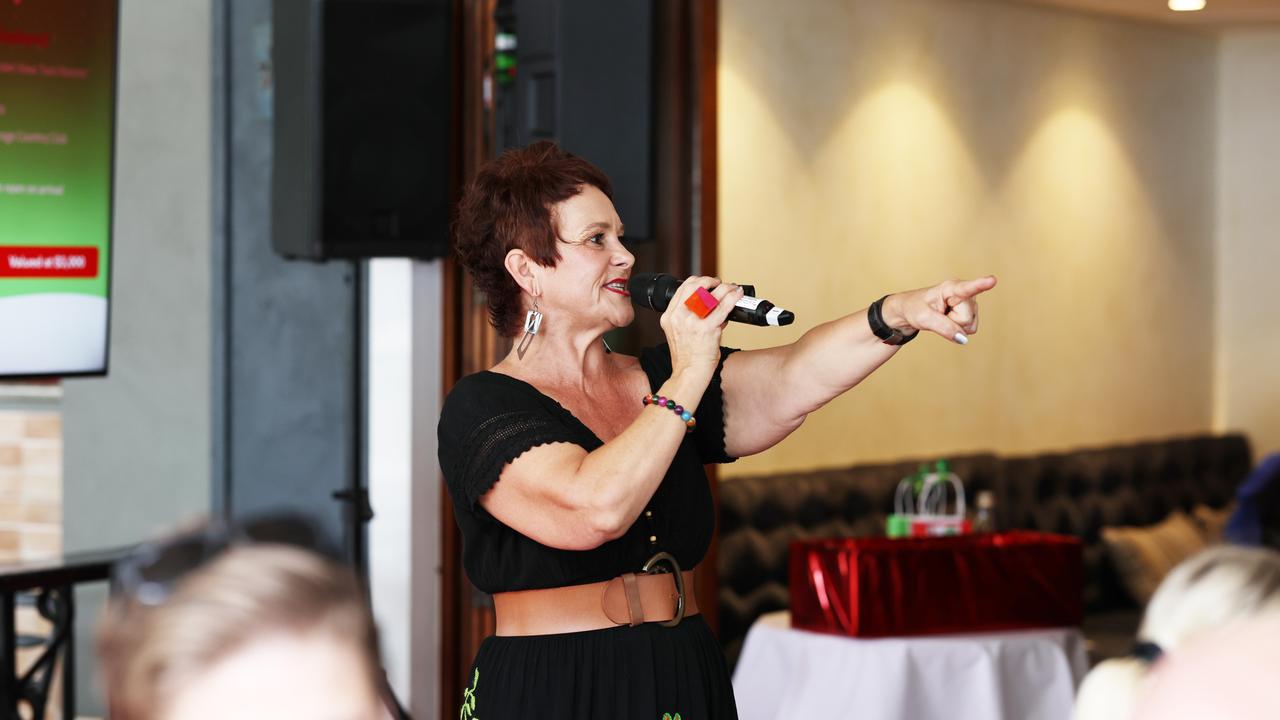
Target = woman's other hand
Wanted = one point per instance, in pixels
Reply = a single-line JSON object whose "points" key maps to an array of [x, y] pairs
{"points": [[695, 341], [949, 308], [768, 393]]}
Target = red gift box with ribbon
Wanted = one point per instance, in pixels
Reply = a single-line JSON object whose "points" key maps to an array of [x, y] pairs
{"points": [[877, 587]]}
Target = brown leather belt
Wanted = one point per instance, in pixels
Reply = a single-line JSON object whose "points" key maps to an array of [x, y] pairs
{"points": [[629, 599]]}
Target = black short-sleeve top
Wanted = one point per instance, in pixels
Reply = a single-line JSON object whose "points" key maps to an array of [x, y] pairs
{"points": [[490, 419]]}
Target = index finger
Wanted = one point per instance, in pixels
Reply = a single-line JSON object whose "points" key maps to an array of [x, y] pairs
{"points": [[728, 300], [965, 289]]}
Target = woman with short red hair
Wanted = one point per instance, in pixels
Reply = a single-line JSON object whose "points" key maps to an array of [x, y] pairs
{"points": [[576, 473]]}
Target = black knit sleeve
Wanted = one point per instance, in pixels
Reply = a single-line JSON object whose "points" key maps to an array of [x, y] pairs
{"points": [[708, 435], [483, 426]]}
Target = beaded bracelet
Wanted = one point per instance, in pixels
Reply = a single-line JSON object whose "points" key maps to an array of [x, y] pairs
{"points": [[689, 421]]}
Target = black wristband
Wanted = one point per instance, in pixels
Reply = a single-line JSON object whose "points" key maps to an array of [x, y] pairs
{"points": [[889, 335]]}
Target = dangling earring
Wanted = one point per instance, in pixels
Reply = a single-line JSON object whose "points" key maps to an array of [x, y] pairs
{"points": [[532, 323]]}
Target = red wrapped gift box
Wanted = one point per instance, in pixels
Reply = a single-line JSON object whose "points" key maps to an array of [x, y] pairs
{"points": [[874, 587]]}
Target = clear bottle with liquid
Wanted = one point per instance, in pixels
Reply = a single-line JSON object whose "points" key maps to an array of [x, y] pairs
{"points": [[984, 519], [944, 516], [906, 503]]}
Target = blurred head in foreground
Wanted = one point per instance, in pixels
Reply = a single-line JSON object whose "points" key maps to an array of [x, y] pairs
{"points": [[209, 625], [1204, 593], [1230, 674]]}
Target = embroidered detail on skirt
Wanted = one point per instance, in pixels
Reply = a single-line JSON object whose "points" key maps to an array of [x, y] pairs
{"points": [[469, 699]]}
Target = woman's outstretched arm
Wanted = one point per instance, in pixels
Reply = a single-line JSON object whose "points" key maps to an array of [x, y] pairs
{"points": [[768, 393]]}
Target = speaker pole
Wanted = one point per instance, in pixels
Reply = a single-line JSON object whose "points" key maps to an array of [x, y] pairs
{"points": [[358, 511]]}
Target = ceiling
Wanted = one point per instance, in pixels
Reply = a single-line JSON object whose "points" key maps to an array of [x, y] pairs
{"points": [[1216, 12]]}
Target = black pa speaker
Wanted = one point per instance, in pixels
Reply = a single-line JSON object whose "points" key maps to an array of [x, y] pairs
{"points": [[363, 109], [584, 78]]}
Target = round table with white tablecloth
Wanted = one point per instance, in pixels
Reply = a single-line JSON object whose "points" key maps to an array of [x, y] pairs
{"points": [[784, 674]]}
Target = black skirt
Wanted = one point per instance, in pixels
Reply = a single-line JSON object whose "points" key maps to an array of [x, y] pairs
{"points": [[643, 673]]}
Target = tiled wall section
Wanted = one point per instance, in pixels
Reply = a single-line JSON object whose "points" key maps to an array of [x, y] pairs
{"points": [[30, 484], [31, 509]]}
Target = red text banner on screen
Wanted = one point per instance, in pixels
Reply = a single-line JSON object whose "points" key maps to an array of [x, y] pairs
{"points": [[48, 262]]}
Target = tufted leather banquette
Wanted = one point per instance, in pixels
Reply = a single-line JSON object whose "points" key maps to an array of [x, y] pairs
{"points": [[1073, 493]]}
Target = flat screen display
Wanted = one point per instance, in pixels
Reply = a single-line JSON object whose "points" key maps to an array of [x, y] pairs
{"points": [[57, 118]]}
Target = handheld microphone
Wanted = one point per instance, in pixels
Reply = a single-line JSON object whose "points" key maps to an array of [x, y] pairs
{"points": [[655, 290]]}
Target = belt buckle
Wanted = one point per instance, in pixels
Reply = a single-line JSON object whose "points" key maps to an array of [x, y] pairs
{"points": [[652, 566]]}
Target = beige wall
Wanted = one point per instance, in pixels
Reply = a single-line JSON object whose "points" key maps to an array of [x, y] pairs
{"points": [[1248, 377], [868, 146]]}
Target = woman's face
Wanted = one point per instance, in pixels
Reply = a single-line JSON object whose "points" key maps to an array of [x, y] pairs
{"points": [[587, 289], [281, 675]]}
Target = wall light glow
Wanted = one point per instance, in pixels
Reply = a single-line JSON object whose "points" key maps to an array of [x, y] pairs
{"points": [[1186, 5]]}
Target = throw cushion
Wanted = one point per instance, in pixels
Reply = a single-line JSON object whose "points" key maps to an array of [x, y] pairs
{"points": [[1144, 555], [1213, 523]]}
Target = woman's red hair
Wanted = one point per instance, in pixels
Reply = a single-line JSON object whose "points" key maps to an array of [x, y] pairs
{"points": [[509, 205]]}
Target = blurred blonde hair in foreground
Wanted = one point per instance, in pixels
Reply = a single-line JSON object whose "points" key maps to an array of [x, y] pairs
{"points": [[259, 630], [1207, 591], [1231, 674]]}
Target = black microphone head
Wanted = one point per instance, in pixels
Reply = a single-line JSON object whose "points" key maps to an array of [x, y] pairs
{"points": [[652, 290]]}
